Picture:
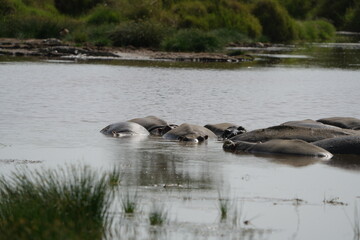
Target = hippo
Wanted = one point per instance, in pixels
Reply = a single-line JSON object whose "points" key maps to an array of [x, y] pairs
{"points": [[189, 133], [225, 130], [341, 145], [342, 122], [156, 126], [278, 146], [307, 123], [121, 129], [293, 132]]}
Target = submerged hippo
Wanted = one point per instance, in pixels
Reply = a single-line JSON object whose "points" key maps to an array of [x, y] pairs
{"points": [[341, 145], [278, 146], [124, 129], [189, 133], [225, 130], [156, 126], [293, 132], [342, 122], [307, 123]]}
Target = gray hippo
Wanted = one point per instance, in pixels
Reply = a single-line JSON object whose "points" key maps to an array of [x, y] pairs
{"points": [[156, 126], [278, 146], [189, 133], [307, 123], [342, 122], [121, 129], [293, 132], [341, 145], [225, 130]]}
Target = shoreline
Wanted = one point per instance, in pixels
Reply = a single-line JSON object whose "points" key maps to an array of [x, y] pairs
{"points": [[58, 49]]}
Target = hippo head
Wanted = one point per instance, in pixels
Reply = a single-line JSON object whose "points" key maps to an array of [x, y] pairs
{"points": [[161, 130], [229, 145], [195, 140], [233, 131]]}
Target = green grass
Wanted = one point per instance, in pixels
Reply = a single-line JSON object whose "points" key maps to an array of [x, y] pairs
{"points": [[70, 203], [129, 202], [157, 215]]}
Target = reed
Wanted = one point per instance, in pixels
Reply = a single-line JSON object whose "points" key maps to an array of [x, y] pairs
{"points": [[158, 215], [70, 203]]}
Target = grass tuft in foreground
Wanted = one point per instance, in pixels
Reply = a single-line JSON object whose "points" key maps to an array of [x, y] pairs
{"points": [[157, 215], [70, 203], [129, 202]]}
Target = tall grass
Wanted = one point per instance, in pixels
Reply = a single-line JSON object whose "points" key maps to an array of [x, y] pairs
{"points": [[70, 203]]}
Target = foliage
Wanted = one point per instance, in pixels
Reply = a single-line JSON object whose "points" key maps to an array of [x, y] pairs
{"points": [[103, 15], [191, 40], [275, 20], [157, 215], [299, 9], [70, 203], [352, 19], [138, 34], [334, 11], [31, 26], [319, 30], [166, 23], [75, 7]]}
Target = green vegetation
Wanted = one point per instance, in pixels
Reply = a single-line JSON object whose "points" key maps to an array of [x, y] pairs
{"points": [[129, 202], [157, 215], [69, 203], [178, 25]]}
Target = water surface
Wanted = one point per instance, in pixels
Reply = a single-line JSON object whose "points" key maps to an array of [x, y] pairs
{"points": [[52, 112]]}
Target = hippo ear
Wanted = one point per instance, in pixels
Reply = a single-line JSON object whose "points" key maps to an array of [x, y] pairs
{"points": [[242, 129], [206, 137]]}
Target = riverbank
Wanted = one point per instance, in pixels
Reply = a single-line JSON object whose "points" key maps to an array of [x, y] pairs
{"points": [[56, 48]]}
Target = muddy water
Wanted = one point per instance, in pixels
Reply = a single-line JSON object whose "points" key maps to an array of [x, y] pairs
{"points": [[51, 114]]}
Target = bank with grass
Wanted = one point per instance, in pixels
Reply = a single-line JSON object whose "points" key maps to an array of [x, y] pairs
{"points": [[177, 25]]}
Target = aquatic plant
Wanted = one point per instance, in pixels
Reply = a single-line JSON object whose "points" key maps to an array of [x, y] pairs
{"points": [[129, 202], [224, 205], [158, 215], [69, 203]]}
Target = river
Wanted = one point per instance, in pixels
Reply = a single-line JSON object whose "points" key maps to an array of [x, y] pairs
{"points": [[52, 112]]}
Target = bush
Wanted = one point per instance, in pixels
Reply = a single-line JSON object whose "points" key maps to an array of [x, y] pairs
{"points": [[275, 20], [31, 26], [191, 40], [317, 30], [103, 15], [67, 204], [75, 7], [352, 19], [138, 34], [6, 7], [334, 11], [299, 9]]}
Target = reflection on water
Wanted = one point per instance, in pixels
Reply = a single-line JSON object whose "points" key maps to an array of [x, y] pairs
{"points": [[51, 115]]}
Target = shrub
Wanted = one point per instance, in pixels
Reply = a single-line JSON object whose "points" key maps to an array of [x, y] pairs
{"points": [[75, 7], [317, 30], [192, 40], [275, 20], [138, 34], [103, 15], [299, 9], [65, 204], [352, 19], [6, 7], [31, 26]]}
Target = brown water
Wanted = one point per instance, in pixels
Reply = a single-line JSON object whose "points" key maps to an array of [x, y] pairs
{"points": [[51, 114]]}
